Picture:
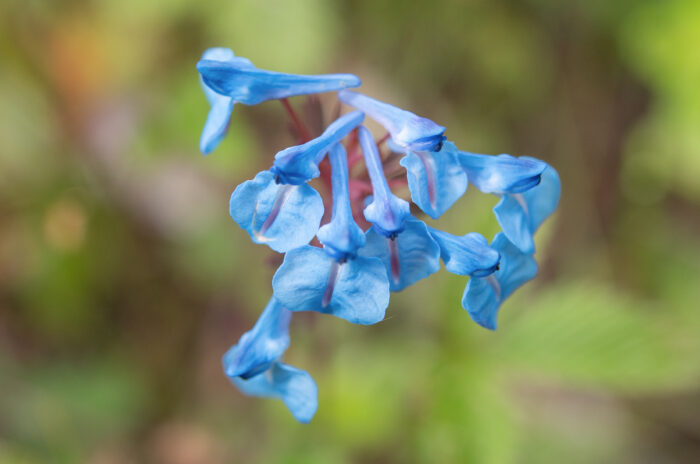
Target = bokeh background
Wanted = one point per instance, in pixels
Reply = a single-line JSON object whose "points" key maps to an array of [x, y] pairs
{"points": [[123, 278]]}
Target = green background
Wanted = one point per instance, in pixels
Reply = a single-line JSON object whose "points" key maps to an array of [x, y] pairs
{"points": [[123, 279]]}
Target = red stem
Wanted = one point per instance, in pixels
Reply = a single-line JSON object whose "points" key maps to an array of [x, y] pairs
{"points": [[383, 139], [296, 120]]}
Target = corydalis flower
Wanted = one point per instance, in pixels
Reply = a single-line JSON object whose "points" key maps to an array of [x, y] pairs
{"points": [[436, 179], [521, 214], [254, 366], [402, 242], [483, 295], [334, 280], [469, 254], [278, 208], [227, 79], [407, 130], [250, 85]]}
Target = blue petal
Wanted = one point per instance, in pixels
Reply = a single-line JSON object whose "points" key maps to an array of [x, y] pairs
{"points": [[356, 290], [408, 130], [483, 295], [217, 124], [341, 237], [298, 164], [295, 387], [502, 173], [386, 211], [221, 106], [521, 214], [280, 216], [258, 348], [435, 178], [469, 254], [250, 86], [411, 256]]}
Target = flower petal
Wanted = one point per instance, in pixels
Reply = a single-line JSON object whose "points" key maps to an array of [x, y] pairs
{"points": [[341, 237], [217, 123], [502, 173], [521, 214], [407, 129], [409, 257], [435, 178], [483, 295], [294, 386], [299, 164], [386, 212], [469, 254], [280, 216], [356, 290], [251, 86], [221, 106], [258, 348]]}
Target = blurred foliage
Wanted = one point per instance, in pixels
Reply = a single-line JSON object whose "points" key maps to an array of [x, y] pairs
{"points": [[122, 279]]}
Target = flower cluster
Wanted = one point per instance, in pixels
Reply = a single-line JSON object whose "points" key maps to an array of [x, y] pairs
{"points": [[349, 272]]}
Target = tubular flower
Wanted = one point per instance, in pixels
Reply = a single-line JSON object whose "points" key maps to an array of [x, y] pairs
{"points": [[227, 79], [469, 254], [407, 130], [402, 242], [371, 243], [249, 85], [521, 214], [334, 279], [435, 178], [483, 295], [253, 364]]}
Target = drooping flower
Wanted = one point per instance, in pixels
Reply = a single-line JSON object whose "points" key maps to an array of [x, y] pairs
{"points": [[483, 295], [299, 164], [521, 214], [334, 279], [278, 208], [408, 130], [402, 242], [469, 254], [221, 106], [249, 85], [436, 179], [254, 365], [501, 174], [281, 216]]}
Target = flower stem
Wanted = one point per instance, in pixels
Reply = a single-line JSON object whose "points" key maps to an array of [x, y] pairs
{"points": [[296, 120]]}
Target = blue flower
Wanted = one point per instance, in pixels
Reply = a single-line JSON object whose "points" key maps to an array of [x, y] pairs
{"points": [[248, 85], [501, 174], [221, 106], [253, 364], [402, 242], [334, 280], [521, 214], [469, 254], [278, 208], [299, 164], [407, 130], [281, 216], [435, 178], [408, 256], [483, 295]]}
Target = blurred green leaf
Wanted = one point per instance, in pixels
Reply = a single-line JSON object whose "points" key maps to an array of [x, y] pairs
{"points": [[588, 335]]}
